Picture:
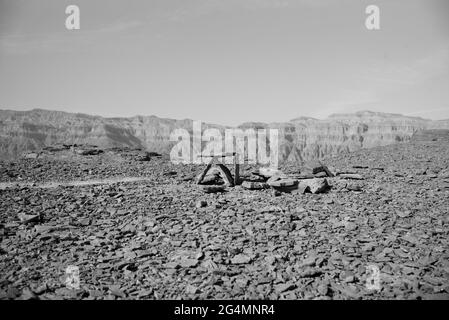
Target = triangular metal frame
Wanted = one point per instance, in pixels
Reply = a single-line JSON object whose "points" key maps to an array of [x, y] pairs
{"points": [[225, 172]]}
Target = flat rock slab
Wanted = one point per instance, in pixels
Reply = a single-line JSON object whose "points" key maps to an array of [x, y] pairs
{"points": [[28, 218], [89, 152], [255, 185], [241, 259], [213, 189], [283, 183], [350, 176]]}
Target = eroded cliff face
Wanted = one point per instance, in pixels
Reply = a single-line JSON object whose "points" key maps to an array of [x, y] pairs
{"points": [[308, 138], [24, 131], [31, 130], [299, 139]]}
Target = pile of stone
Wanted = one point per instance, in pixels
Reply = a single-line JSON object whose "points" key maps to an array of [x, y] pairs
{"points": [[310, 179]]}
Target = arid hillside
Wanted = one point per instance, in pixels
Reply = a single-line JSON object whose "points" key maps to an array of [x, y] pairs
{"points": [[300, 139]]}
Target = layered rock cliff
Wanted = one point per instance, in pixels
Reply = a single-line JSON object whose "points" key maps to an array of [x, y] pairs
{"points": [[308, 138], [300, 139]]}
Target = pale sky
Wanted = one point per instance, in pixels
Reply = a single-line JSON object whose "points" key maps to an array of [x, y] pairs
{"points": [[226, 61]]}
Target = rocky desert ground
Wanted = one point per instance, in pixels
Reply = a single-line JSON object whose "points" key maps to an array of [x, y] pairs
{"points": [[139, 227]]}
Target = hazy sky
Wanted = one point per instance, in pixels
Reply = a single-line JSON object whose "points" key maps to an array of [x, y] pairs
{"points": [[226, 61]]}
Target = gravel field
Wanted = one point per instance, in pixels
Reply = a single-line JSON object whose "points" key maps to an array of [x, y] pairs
{"points": [[145, 229]]}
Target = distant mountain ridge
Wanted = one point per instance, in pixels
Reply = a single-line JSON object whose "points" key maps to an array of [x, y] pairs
{"points": [[300, 139]]}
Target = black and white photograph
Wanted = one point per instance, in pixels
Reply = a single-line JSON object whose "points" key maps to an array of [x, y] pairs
{"points": [[224, 150]]}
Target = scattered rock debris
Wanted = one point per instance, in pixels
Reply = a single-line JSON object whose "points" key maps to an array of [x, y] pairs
{"points": [[165, 237]]}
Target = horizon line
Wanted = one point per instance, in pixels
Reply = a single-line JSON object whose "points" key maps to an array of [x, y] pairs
{"points": [[329, 117]]}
